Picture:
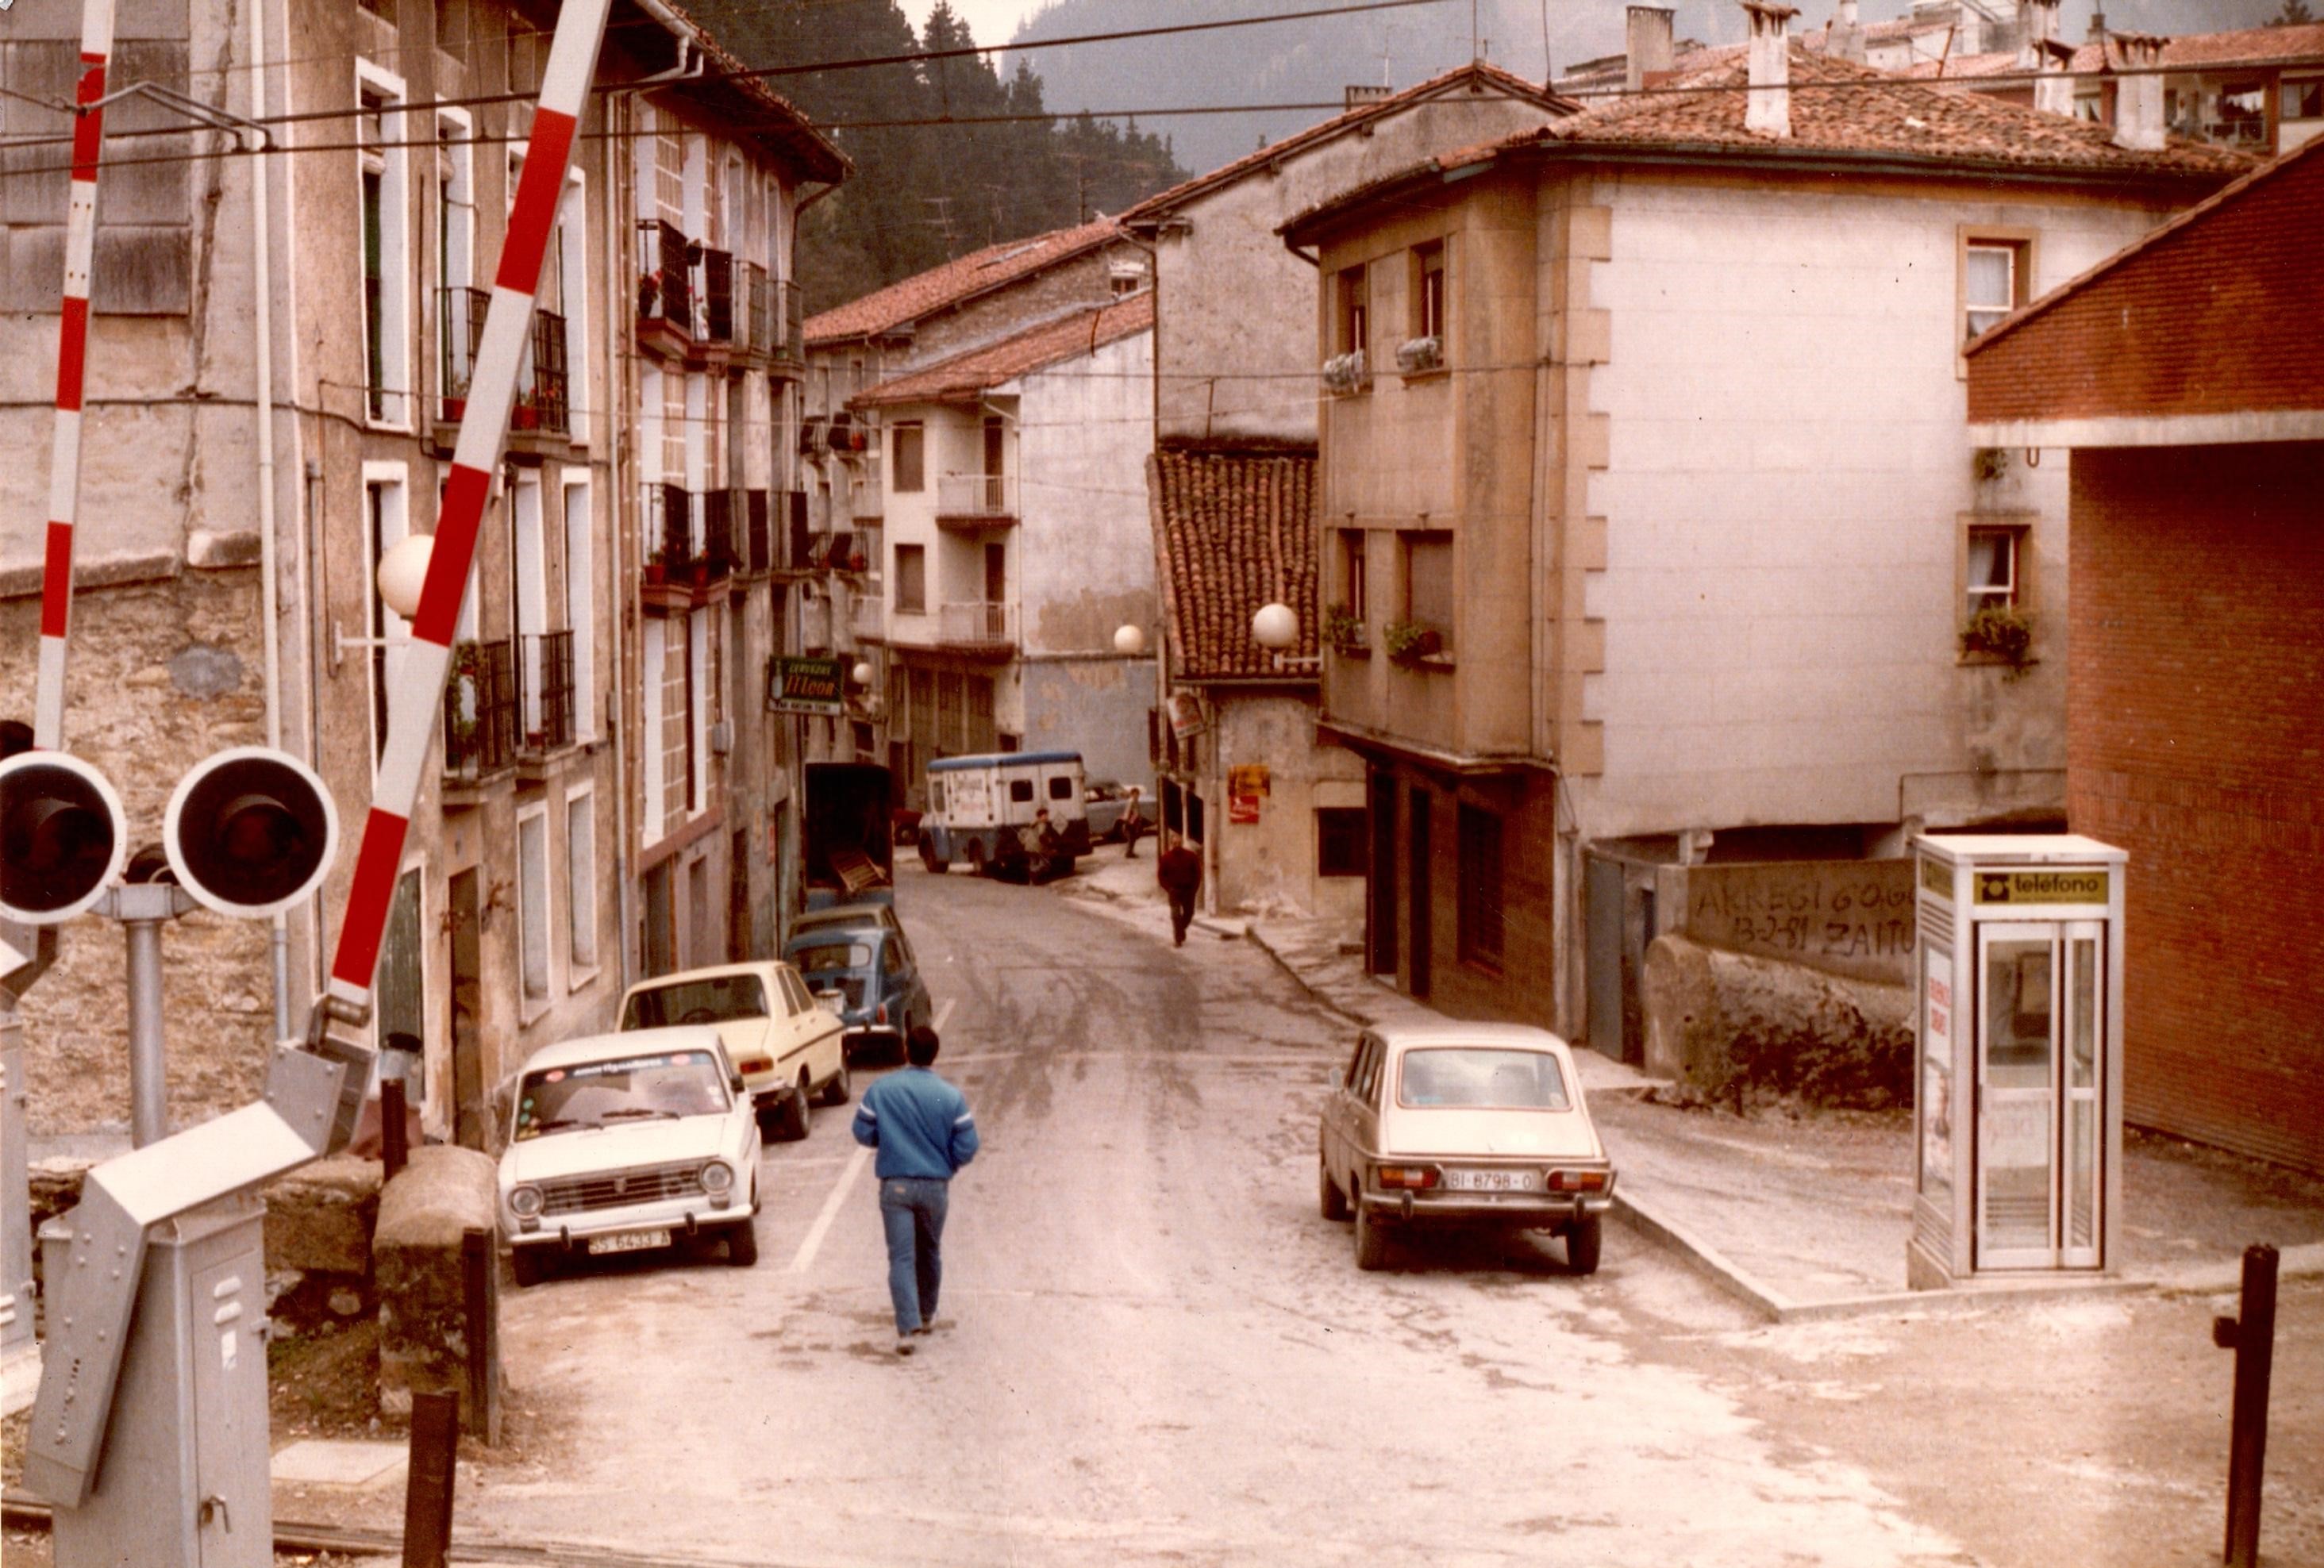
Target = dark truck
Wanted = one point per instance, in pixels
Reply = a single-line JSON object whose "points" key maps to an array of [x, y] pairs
{"points": [[845, 834]]}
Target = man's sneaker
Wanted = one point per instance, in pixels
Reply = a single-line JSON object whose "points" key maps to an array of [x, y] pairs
{"points": [[904, 1346]]}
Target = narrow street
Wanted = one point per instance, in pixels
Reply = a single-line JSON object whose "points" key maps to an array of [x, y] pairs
{"points": [[1152, 1348]]}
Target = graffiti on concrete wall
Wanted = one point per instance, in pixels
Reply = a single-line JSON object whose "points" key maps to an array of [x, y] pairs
{"points": [[1850, 917]]}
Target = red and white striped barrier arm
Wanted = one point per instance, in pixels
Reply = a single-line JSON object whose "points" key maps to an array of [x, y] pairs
{"points": [[72, 359], [416, 698]]}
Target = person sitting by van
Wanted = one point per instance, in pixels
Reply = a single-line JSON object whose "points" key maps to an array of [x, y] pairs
{"points": [[1133, 824]]}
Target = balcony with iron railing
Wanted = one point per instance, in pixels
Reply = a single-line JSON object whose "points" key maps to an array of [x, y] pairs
{"points": [[790, 340], [723, 513], [459, 334], [868, 618], [976, 500], [545, 672], [759, 537], [666, 265], [480, 709], [543, 397], [977, 626], [715, 276]]}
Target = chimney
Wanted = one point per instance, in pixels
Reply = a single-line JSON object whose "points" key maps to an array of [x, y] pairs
{"points": [[2037, 24], [2138, 99], [2053, 90], [1646, 45], [1769, 105], [2098, 27], [1359, 94], [1844, 39]]}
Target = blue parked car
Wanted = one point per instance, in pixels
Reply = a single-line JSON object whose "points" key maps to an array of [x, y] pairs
{"points": [[868, 976]]}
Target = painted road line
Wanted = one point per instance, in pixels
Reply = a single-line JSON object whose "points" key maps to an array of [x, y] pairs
{"points": [[812, 1243], [944, 1011]]}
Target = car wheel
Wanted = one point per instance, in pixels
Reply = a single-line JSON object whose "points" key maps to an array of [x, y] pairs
{"points": [[743, 1244], [930, 858], [770, 1123], [1372, 1241], [1583, 1242], [1334, 1201], [529, 1264], [836, 1091], [797, 1112]]}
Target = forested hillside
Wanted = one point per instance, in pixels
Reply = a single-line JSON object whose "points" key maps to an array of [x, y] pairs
{"points": [[924, 193]]}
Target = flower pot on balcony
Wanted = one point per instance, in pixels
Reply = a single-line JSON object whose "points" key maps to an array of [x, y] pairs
{"points": [[455, 410], [657, 574], [524, 417]]}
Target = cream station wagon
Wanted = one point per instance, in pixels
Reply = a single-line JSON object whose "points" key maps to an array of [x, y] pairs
{"points": [[1463, 1124], [789, 1048]]}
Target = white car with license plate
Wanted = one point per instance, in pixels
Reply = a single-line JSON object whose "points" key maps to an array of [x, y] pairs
{"points": [[630, 1142], [791, 1051], [1445, 1125]]}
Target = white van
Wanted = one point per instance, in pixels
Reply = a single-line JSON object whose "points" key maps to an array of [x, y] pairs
{"points": [[985, 810]]}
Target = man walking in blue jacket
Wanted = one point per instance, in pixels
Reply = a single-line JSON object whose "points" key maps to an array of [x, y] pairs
{"points": [[922, 1128]]}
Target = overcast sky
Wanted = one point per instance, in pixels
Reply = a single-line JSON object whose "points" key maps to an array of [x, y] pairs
{"points": [[994, 20]]}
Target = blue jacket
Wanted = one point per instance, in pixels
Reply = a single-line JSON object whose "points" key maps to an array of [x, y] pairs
{"points": [[919, 1124]]}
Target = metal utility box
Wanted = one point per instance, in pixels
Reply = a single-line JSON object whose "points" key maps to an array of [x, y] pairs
{"points": [[2017, 1081], [184, 1478]]}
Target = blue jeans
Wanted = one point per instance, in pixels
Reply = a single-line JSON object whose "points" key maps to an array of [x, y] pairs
{"points": [[912, 1211]]}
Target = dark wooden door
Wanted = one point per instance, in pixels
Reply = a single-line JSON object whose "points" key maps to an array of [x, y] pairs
{"points": [[1422, 905], [470, 1115]]}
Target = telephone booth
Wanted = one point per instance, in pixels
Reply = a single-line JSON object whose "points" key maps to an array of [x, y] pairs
{"points": [[2017, 1092]]}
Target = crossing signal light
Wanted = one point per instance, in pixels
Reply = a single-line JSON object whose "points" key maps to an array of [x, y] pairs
{"points": [[250, 832], [62, 837]]}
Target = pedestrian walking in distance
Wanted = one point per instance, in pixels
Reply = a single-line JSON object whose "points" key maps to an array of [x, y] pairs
{"points": [[1179, 870], [1134, 823], [924, 1133]]}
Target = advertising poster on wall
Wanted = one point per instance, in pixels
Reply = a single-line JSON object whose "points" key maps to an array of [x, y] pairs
{"points": [[1246, 785], [805, 686], [1936, 1070]]}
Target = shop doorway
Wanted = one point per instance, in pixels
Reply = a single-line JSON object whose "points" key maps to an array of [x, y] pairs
{"points": [[1422, 908], [470, 1115]]}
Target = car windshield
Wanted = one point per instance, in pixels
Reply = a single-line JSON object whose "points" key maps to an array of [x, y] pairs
{"points": [[712, 1000], [1478, 1078], [662, 1085], [843, 919], [831, 957]]}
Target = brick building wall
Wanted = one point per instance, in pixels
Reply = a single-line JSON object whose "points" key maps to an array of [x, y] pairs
{"points": [[2195, 741], [2219, 316]]}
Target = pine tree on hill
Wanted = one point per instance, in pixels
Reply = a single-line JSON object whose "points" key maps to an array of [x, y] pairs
{"points": [[932, 189]]}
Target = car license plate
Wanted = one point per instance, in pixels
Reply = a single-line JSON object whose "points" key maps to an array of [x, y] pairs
{"points": [[1492, 1181], [629, 1241]]}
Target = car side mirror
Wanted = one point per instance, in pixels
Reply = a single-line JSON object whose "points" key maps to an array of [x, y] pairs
{"points": [[735, 1082]]}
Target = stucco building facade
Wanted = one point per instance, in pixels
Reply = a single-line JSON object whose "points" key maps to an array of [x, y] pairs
{"points": [[1693, 580]]}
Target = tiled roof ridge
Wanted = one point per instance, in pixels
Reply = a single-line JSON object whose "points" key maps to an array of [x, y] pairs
{"points": [[952, 281], [2294, 42], [2161, 234], [1346, 120], [1235, 532], [1036, 349]]}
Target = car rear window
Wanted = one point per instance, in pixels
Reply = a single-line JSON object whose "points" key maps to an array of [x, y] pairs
{"points": [[625, 1088], [833, 957], [712, 1001], [1480, 1078]]}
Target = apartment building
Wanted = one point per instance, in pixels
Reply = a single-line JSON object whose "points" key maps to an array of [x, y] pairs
{"points": [[213, 499], [1676, 551]]}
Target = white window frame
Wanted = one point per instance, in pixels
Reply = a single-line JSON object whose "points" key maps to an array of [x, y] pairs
{"points": [[580, 387], [393, 480], [396, 315], [653, 661], [535, 913], [453, 262], [581, 963], [2024, 247], [580, 598]]}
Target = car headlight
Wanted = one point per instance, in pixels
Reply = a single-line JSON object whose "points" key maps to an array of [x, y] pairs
{"points": [[524, 1202], [717, 1178]]}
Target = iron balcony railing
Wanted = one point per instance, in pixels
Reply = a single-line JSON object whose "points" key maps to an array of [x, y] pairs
{"points": [[759, 532], [755, 295], [723, 511], [800, 537], [479, 708], [543, 398], [977, 623], [665, 275], [670, 528], [717, 274], [790, 347], [546, 671], [460, 333], [870, 619], [976, 495]]}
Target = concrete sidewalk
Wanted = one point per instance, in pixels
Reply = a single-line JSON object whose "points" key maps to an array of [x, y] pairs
{"points": [[1808, 1217]]}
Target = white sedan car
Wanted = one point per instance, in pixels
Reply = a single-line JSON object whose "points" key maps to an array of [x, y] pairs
{"points": [[1463, 1124], [627, 1142]]}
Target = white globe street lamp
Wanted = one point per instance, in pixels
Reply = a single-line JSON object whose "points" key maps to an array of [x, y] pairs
{"points": [[863, 672], [1276, 627], [1130, 641]]}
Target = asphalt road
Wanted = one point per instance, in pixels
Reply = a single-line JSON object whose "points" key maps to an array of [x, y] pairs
{"points": [[1152, 1347]]}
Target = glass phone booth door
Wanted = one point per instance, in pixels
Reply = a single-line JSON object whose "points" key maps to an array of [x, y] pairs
{"points": [[2039, 1111]]}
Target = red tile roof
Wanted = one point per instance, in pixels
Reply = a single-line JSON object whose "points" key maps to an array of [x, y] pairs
{"points": [[1233, 533], [975, 273], [788, 124], [2302, 43], [1481, 73], [965, 375]]}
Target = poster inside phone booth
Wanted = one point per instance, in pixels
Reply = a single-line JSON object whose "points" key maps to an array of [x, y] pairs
{"points": [[2017, 1071]]}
